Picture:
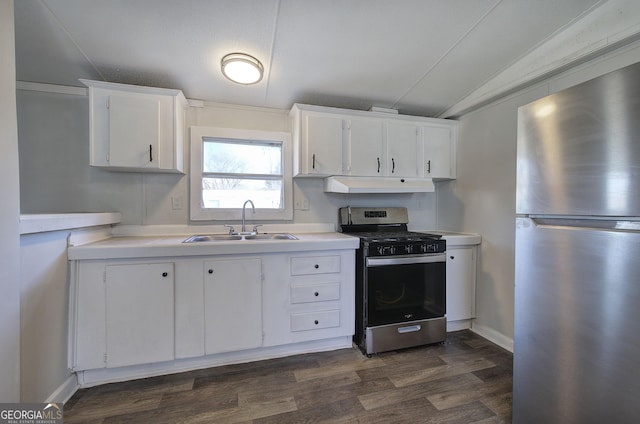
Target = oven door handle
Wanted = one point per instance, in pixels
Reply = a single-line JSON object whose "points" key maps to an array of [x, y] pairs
{"points": [[410, 329], [407, 260]]}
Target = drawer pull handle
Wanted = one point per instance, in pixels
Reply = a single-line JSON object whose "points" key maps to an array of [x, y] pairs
{"points": [[316, 322], [210, 271], [316, 266], [164, 274], [410, 329], [316, 294]]}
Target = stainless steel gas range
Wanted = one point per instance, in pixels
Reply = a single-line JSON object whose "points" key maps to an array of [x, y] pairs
{"points": [[400, 281]]}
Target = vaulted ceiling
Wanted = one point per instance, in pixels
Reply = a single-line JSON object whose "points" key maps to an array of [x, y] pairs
{"points": [[418, 56]]}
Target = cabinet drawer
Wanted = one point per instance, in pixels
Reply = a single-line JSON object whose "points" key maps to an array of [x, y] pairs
{"points": [[315, 265], [315, 293], [315, 320]]}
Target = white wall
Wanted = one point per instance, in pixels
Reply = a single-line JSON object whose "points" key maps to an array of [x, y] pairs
{"points": [[44, 316], [482, 198], [56, 177], [9, 215]]}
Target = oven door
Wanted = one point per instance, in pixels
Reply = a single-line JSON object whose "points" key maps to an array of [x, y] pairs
{"points": [[405, 288]]}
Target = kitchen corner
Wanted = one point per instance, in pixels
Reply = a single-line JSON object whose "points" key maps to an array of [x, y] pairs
{"points": [[462, 262]]}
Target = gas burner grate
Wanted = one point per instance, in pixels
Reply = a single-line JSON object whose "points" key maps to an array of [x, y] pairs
{"points": [[393, 236]]}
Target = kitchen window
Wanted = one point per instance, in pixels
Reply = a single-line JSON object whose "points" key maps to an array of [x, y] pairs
{"points": [[230, 166]]}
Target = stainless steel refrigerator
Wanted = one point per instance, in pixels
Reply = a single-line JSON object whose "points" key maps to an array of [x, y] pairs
{"points": [[577, 273]]}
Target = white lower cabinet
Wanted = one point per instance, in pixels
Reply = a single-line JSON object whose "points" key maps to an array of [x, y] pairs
{"points": [[461, 282], [137, 312], [121, 313], [232, 305], [314, 300]]}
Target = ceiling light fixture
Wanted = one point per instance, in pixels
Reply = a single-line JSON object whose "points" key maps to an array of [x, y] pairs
{"points": [[242, 68]]}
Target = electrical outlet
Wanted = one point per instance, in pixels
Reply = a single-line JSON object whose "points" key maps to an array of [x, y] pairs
{"points": [[300, 200], [176, 203], [301, 203]]}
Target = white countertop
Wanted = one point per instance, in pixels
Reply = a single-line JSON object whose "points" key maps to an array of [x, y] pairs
{"points": [[173, 246], [40, 223]]}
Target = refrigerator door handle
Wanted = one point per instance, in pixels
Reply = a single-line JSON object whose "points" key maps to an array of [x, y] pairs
{"points": [[631, 225]]}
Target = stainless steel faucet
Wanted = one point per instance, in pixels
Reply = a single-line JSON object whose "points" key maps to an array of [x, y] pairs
{"points": [[253, 208]]}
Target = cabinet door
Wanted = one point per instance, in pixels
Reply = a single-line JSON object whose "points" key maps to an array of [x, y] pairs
{"points": [[233, 305], [323, 136], [139, 310], [402, 150], [366, 154], [461, 276], [134, 131], [437, 152]]}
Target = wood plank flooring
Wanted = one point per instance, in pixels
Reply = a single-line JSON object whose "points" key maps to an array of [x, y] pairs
{"points": [[465, 380]]}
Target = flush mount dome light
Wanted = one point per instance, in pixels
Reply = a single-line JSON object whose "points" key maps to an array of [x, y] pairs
{"points": [[242, 68]]}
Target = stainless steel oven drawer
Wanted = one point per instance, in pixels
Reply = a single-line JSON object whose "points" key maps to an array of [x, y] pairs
{"points": [[407, 334]]}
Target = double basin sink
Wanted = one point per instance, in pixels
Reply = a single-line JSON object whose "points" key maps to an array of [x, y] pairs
{"points": [[231, 237]]}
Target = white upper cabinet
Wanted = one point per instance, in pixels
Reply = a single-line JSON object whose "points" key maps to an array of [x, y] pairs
{"points": [[402, 149], [134, 128], [317, 150], [439, 154], [365, 144], [330, 141]]}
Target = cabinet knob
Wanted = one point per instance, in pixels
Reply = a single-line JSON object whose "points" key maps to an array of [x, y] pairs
{"points": [[316, 266], [164, 274], [316, 294], [316, 322], [210, 271], [451, 257]]}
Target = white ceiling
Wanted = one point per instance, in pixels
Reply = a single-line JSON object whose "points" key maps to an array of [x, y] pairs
{"points": [[418, 56]]}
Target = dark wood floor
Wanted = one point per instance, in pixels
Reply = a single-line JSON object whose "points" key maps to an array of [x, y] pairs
{"points": [[465, 380]]}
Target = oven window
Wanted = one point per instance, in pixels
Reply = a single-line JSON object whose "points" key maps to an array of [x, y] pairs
{"points": [[400, 293]]}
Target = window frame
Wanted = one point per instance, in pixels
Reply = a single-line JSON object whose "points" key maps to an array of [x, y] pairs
{"points": [[197, 212]]}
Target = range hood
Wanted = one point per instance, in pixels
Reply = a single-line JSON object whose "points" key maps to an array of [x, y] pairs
{"points": [[341, 184]]}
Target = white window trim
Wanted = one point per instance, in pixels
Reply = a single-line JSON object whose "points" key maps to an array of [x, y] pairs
{"points": [[198, 213]]}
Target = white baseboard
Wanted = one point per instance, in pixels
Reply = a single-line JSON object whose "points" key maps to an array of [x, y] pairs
{"points": [[90, 378], [493, 336], [64, 392], [463, 324]]}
